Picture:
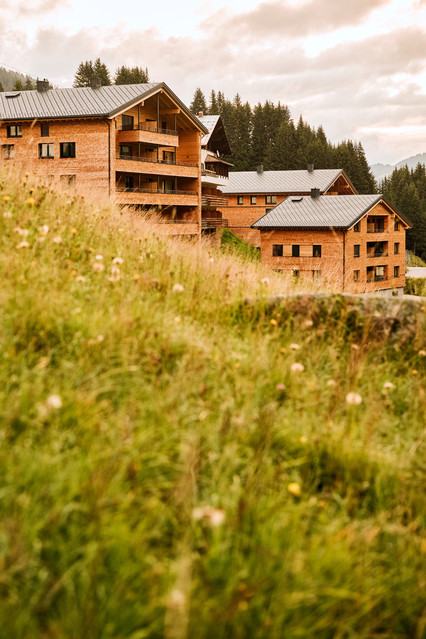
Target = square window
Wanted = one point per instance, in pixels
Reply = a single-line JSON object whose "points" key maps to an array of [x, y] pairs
{"points": [[270, 199], [67, 150], [316, 250], [14, 131], [277, 250], [45, 150], [252, 199], [356, 228], [356, 276], [357, 250], [240, 199], [295, 250], [396, 271], [396, 248], [44, 129], [8, 151]]}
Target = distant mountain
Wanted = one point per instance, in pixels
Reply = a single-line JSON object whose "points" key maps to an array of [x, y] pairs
{"points": [[383, 170], [8, 78]]}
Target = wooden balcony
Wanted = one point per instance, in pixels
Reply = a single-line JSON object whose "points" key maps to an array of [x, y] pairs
{"points": [[152, 197], [155, 167], [148, 134], [210, 201]]}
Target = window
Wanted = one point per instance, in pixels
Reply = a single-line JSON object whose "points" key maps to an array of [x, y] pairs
{"points": [[396, 248], [379, 273], [67, 181], [295, 250], [125, 151], [396, 271], [240, 199], [356, 250], [46, 150], [14, 131], [356, 276], [8, 151], [356, 228], [67, 150], [127, 122], [128, 182], [270, 199], [252, 199], [44, 129], [316, 250], [396, 225], [277, 250]]}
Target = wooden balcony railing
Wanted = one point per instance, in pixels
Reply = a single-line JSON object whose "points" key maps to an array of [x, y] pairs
{"points": [[155, 191], [214, 200], [377, 254], [155, 161], [146, 127], [211, 223]]}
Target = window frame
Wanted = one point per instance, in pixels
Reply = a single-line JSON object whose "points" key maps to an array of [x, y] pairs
{"points": [[277, 250], [318, 248], [71, 150], [357, 250], [253, 199], [7, 151], [295, 250], [17, 133], [396, 271], [270, 199], [44, 130], [50, 151], [396, 248], [357, 227], [240, 200], [356, 275]]}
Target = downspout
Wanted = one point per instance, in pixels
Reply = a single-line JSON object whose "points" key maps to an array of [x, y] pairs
{"points": [[344, 259], [109, 156]]}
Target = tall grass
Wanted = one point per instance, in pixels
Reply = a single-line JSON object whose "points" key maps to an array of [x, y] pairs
{"points": [[167, 470]]}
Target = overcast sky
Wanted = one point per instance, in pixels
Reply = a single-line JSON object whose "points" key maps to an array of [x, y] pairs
{"points": [[358, 67]]}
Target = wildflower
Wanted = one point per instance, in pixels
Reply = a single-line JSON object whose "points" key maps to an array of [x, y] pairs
{"points": [[265, 281], [117, 260], [7, 214], [177, 319], [22, 232], [353, 399], [54, 402], [422, 353], [274, 322], [23, 245], [294, 489], [115, 274], [57, 240], [294, 347], [211, 259], [331, 382], [414, 372], [74, 231], [303, 439], [6, 198], [80, 278], [214, 516], [297, 367], [98, 267], [99, 257], [308, 323], [31, 201], [178, 288], [43, 230], [388, 386], [280, 387], [355, 347]]}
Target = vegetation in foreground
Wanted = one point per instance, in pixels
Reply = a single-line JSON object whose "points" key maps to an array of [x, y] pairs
{"points": [[178, 464]]}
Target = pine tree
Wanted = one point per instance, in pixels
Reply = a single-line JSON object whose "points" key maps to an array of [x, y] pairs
{"points": [[84, 74], [198, 104], [131, 75], [100, 70], [18, 86], [29, 84], [213, 106], [1, 87]]}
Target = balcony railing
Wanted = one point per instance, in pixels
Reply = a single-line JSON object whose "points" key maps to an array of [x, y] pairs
{"points": [[151, 129], [213, 200], [155, 191], [155, 161], [377, 254], [375, 229], [377, 278], [211, 223]]}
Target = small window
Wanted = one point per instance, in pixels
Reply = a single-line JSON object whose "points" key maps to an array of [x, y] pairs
{"points": [[356, 276], [396, 248], [125, 151], [270, 199], [295, 250], [357, 250], [356, 228], [240, 199], [316, 250], [396, 271], [252, 199], [8, 151], [44, 129], [127, 122], [396, 225], [277, 250], [68, 181], [14, 131], [67, 150], [46, 150]]}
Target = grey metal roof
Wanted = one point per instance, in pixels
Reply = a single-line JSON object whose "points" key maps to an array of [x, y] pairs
{"points": [[209, 122], [81, 102], [325, 211], [300, 181]]}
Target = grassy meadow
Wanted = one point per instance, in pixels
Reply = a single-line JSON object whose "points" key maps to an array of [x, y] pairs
{"points": [[178, 464]]}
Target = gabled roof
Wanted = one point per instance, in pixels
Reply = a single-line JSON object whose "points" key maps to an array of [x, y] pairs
{"points": [[300, 181], [82, 102], [209, 122], [216, 139], [325, 211]]}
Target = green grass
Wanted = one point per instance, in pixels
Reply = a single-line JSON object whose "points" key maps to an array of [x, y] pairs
{"points": [[415, 286], [189, 483], [415, 260], [234, 245]]}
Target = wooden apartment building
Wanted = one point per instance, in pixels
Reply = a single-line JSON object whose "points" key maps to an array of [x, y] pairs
{"points": [[136, 144], [354, 243], [251, 194]]}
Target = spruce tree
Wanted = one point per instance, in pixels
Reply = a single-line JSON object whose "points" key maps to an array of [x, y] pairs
{"points": [[84, 74], [198, 104], [131, 75]]}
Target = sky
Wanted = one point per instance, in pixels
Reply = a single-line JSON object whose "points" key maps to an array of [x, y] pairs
{"points": [[356, 67]]}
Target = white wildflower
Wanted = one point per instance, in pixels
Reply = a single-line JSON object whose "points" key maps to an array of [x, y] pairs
{"points": [[294, 347], [353, 399], [22, 245], [213, 516], [57, 239], [54, 402], [117, 260], [178, 288], [388, 385], [43, 230], [7, 214], [297, 367], [99, 258], [98, 267]]}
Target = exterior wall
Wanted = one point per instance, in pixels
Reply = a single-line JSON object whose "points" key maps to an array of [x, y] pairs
{"points": [[90, 165], [338, 262], [242, 216]]}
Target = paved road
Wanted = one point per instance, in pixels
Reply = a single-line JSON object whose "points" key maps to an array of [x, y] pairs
{"points": [[416, 271]]}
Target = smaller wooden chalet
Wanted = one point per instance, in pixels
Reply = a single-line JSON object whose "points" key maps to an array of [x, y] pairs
{"points": [[251, 194], [214, 172], [354, 242]]}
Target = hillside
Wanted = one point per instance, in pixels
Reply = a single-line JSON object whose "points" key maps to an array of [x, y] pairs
{"points": [[8, 78], [384, 170], [184, 458]]}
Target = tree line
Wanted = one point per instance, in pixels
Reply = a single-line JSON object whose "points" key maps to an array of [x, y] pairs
{"points": [[406, 189], [266, 134], [88, 70]]}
